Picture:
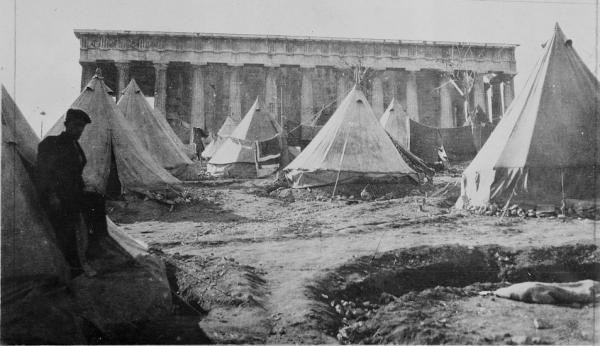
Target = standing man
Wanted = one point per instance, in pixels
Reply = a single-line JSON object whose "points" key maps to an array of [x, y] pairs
{"points": [[60, 164], [199, 137]]}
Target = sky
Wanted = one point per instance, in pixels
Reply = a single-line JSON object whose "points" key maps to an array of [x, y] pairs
{"points": [[39, 53]]}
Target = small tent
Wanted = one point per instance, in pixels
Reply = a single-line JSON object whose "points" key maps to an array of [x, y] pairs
{"points": [[351, 147], [253, 143], [153, 130], [545, 148], [29, 249], [395, 121], [224, 132], [115, 155]]}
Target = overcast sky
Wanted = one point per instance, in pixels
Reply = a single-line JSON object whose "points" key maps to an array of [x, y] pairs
{"points": [[39, 52]]}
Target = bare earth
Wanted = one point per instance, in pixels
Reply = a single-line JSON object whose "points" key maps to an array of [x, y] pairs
{"points": [[250, 258]]}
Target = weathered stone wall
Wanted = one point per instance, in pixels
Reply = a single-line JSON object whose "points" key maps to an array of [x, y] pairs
{"points": [[429, 97], [197, 80]]}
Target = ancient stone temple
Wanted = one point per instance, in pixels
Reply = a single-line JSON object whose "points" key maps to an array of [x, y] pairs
{"points": [[198, 79]]}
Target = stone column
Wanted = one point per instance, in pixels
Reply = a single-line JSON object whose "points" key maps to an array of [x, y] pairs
{"points": [[197, 118], [496, 99], [446, 118], [479, 93], [509, 91], [343, 87], [160, 88], [412, 98], [306, 98], [87, 72], [122, 77], [271, 92], [393, 78], [235, 97], [377, 95]]}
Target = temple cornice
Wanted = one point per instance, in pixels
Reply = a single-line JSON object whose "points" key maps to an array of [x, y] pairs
{"points": [[205, 48]]}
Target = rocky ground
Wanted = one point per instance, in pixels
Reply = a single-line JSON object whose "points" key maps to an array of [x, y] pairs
{"points": [[253, 258]]}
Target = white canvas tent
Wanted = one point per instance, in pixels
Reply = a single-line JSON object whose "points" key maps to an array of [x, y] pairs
{"points": [[111, 146], [351, 146], [545, 149], [153, 130], [395, 121], [252, 144], [224, 132]]}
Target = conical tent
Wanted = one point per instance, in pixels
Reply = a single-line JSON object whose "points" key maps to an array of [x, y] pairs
{"points": [[24, 135], [545, 149], [258, 125], [29, 247], [238, 154], [110, 137], [155, 134], [224, 132], [395, 121], [351, 146]]}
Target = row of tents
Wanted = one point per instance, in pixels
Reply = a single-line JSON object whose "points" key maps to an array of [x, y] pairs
{"points": [[544, 150], [547, 141], [129, 145], [351, 146]]}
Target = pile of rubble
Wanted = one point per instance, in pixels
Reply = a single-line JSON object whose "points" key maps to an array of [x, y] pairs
{"points": [[570, 207], [517, 211], [425, 317]]}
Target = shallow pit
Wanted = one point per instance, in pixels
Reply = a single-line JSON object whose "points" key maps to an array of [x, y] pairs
{"points": [[430, 295]]}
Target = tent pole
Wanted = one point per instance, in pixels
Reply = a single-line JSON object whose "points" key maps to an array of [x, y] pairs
{"points": [[340, 166], [562, 189], [256, 158]]}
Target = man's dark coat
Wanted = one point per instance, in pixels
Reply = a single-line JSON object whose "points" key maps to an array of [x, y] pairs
{"points": [[60, 166]]}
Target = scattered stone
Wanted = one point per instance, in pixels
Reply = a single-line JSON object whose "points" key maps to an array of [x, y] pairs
{"points": [[358, 312], [493, 207], [286, 194], [366, 303], [521, 340], [540, 341], [386, 298], [539, 323]]}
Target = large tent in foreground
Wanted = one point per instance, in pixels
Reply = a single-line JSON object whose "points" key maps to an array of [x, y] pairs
{"points": [[253, 143], [351, 147], [29, 248], [224, 132], [153, 130], [116, 159], [36, 309], [545, 149]]}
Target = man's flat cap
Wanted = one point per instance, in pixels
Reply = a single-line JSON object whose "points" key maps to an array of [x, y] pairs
{"points": [[77, 114]]}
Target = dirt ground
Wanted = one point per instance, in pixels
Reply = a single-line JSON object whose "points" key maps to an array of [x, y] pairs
{"points": [[245, 255]]}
